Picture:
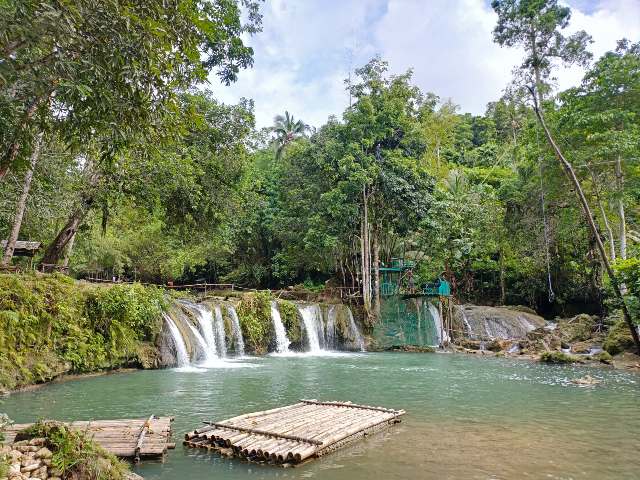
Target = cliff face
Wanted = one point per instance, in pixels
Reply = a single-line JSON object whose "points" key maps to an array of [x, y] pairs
{"points": [[483, 322]]}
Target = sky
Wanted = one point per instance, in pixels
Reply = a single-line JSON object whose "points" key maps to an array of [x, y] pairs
{"points": [[308, 47]]}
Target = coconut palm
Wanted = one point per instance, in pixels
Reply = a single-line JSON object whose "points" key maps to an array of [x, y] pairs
{"points": [[287, 129]]}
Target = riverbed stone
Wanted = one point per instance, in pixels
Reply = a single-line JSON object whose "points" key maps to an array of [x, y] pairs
{"points": [[44, 452]]}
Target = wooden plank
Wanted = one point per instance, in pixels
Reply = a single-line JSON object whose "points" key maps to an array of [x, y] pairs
{"points": [[123, 437]]}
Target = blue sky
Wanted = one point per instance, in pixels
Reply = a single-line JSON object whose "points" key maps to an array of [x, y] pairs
{"points": [[308, 47]]}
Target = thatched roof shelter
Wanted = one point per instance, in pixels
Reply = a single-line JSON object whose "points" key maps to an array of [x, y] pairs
{"points": [[23, 248]]}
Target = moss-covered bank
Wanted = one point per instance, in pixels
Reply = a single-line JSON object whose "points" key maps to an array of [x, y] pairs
{"points": [[52, 324], [50, 450]]}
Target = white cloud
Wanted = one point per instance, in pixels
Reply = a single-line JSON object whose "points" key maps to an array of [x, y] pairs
{"points": [[302, 55]]}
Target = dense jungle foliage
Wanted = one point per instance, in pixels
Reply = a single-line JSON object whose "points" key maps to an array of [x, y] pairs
{"points": [[52, 324], [177, 186]]}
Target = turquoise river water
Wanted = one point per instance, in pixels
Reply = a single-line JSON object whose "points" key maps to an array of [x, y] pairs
{"points": [[467, 417]]}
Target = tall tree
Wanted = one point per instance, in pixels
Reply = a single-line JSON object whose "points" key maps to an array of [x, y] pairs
{"points": [[536, 26]]}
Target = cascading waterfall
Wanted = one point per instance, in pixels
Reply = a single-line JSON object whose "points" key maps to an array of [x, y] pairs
{"points": [[443, 336], [358, 339], [312, 321], [202, 347], [237, 331], [465, 320], [330, 338], [282, 341], [221, 338], [182, 357], [205, 321]]}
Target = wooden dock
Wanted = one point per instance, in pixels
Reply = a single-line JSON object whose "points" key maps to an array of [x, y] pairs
{"points": [[294, 433], [136, 439]]}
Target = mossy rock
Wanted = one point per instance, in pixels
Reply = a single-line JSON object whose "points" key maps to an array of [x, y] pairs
{"points": [[559, 358], [254, 314], [618, 339], [603, 357], [411, 349], [498, 345], [470, 344], [579, 328], [291, 321]]}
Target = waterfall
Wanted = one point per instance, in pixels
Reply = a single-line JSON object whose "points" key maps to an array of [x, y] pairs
{"points": [[465, 320], [358, 339], [182, 358], [205, 321], [203, 348], [443, 336], [282, 341], [220, 334], [237, 331], [331, 327], [312, 321]]}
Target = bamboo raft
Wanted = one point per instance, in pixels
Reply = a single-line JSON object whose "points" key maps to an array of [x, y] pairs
{"points": [[292, 434], [127, 438]]}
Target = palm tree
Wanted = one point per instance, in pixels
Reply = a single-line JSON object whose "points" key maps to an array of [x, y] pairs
{"points": [[287, 129]]}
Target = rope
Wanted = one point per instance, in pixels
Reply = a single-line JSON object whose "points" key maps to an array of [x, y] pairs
{"points": [[551, 294]]}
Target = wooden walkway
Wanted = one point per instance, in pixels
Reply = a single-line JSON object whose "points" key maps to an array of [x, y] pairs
{"points": [[293, 434], [128, 438]]}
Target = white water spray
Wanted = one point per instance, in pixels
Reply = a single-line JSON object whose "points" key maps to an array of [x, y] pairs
{"points": [[311, 318], [282, 341], [358, 339], [443, 336], [221, 340], [205, 321], [331, 327], [182, 357], [237, 331]]}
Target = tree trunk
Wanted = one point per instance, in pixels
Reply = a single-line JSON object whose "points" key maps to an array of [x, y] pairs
{"points": [[69, 250], [590, 220], [365, 247], [14, 148], [22, 203], [56, 249], [376, 272], [503, 288], [607, 226], [623, 224]]}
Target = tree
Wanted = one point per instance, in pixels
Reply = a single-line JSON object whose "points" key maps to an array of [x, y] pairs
{"points": [[112, 67], [287, 129], [535, 25]]}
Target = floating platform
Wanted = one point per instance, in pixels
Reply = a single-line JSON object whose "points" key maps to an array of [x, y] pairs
{"points": [[134, 439], [292, 434]]}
